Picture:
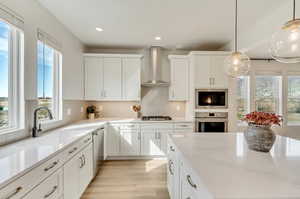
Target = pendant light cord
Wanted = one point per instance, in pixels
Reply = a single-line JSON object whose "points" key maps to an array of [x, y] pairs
{"points": [[235, 26], [294, 10]]}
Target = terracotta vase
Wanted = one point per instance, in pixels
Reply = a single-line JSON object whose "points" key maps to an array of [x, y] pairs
{"points": [[260, 137]]}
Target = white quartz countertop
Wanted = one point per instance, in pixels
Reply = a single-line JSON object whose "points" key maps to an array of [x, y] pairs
{"points": [[229, 170], [134, 120], [18, 158]]}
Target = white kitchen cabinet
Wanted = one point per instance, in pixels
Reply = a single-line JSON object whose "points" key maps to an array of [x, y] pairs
{"points": [[163, 135], [93, 78], [78, 172], [86, 170], [151, 143], [112, 79], [130, 144], [173, 171], [113, 140], [131, 80], [218, 73], [179, 88], [51, 188], [71, 177], [202, 71], [209, 70]]}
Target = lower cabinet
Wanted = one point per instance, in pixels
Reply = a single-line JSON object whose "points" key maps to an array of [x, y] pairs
{"points": [[113, 140], [151, 143], [130, 143], [78, 173], [50, 188]]}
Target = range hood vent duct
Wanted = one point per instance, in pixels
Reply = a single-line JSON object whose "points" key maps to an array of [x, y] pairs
{"points": [[155, 68]]}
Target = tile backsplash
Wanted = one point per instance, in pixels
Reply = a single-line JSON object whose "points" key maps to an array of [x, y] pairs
{"points": [[154, 102]]}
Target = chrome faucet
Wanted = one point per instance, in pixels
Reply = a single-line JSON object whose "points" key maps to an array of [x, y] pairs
{"points": [[36, 130]]}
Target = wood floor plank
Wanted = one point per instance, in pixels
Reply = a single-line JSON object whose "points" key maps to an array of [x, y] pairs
{"points": [[129, 179]]}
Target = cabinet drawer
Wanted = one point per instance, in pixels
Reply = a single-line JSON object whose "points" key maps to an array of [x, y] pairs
{"points": [[50, 188], [129, 127], [192, 183], [24, 184], [76, 147], [183, 126], [156, 126]]}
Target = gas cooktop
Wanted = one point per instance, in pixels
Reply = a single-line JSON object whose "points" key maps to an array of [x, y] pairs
{"points": [[156, 118]]}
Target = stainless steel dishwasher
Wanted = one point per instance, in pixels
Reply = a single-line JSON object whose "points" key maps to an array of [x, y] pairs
{"points": [[98, 149]]}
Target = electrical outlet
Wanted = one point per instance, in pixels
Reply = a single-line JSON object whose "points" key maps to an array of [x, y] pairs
{"points": [[100, 108], [69, 111], [81, 109]]}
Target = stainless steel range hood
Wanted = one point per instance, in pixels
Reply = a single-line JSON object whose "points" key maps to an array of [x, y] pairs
{"points": [[155, 68]]}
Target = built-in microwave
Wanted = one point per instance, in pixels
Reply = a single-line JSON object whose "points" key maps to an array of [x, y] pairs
{"points": [[211, 98]]}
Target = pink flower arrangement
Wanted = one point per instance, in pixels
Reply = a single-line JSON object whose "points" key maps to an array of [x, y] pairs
{"points": [[262, 118]]}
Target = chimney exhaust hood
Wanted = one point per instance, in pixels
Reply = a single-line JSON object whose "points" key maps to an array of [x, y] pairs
{"points": [[155, 68]]}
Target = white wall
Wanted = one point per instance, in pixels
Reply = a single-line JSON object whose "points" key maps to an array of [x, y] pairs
{"points": [[35, 16]]}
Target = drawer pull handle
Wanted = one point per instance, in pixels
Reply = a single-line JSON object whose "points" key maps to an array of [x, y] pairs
{"points": [[81, 162], [172, 148], [189, 179], [73, 150], [14, 193], [51, 166], [170, 167], [51, 192], [87, 140], [184, 126], [83, 157]]}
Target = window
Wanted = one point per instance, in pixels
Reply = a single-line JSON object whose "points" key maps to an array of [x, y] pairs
{"points": [[243, 96], [293, 101], [268, 94], [11, 76], [49, 85]]}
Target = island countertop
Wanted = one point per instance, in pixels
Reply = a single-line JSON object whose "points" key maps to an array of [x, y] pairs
{"points": [[229, 170]]}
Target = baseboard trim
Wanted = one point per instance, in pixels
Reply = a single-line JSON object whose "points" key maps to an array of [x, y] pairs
{"points": [[136, 158]]}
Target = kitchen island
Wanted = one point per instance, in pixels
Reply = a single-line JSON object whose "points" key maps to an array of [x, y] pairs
{"points": [[220, 166]]}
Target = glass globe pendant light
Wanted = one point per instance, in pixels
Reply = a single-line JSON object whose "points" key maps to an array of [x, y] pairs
{"points": [[285, 44], [238, 63]]}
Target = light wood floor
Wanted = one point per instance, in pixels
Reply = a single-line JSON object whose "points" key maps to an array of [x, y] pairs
{"points": [[130, 179]]}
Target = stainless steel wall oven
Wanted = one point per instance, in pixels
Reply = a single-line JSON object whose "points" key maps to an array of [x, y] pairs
{"points": [[216, 122]]}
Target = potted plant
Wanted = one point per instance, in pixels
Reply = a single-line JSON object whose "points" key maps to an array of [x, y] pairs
{"points": [[259, 135], [91, 110]]}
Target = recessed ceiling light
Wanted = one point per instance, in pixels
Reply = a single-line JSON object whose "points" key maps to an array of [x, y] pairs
{"points": [[99, 29], [157, 38]]}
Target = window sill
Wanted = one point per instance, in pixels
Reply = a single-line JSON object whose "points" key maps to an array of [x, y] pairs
{"points": [[11, 130]]}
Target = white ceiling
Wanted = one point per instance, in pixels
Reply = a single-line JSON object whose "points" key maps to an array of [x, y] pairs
{"points": [[185, 24]]}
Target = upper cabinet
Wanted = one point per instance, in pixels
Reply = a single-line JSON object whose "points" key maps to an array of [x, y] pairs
{"points": [[131, 78], [209, 69], [179, 88], [112, 77]]}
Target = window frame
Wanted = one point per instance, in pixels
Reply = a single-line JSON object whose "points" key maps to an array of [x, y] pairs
{"points": [[286, 97], [16, 99], [57, 109], [240, 122]]}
